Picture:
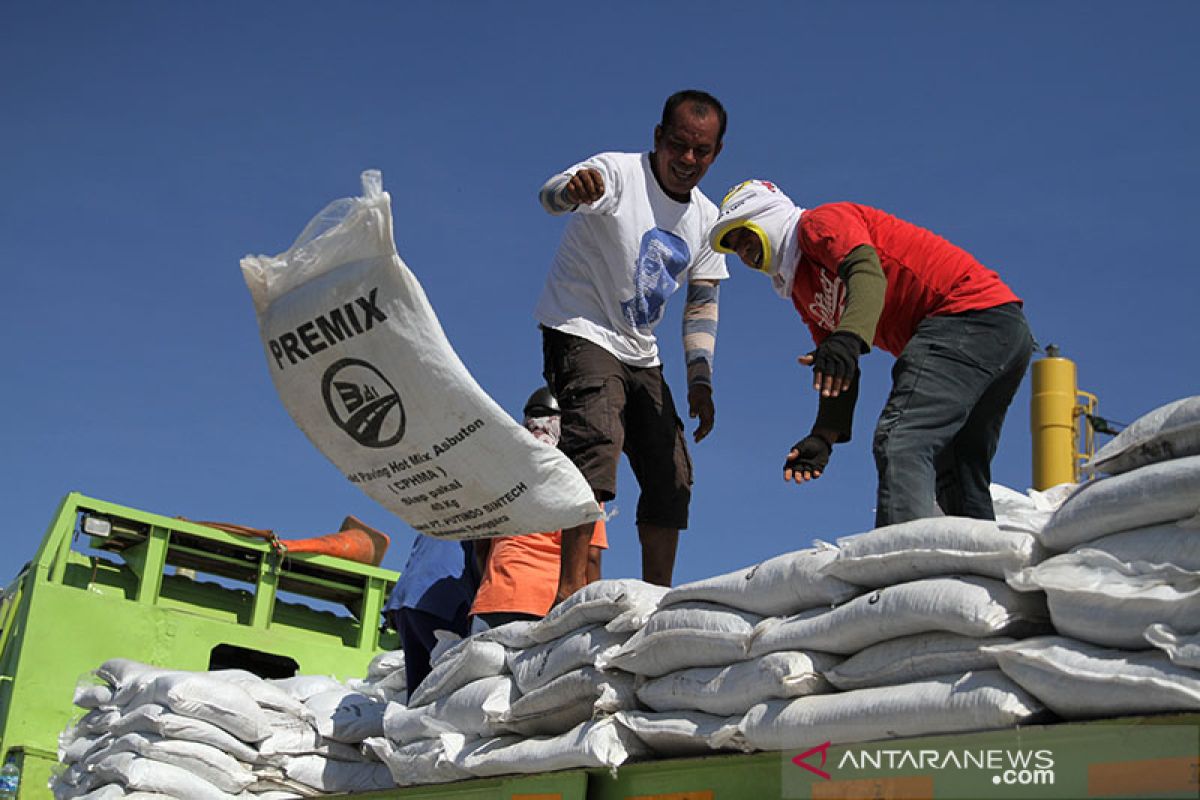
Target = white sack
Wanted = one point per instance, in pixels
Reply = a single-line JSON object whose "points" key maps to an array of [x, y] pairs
{"points": [[382, 690], [419, 762], [198, 695], [515, 635], [144, 774], [567, 701], [339, 777], [265, 693], [363, 367], [1078, 680], [302, 687], [468, 710], [282, 721], [73, 748], [272, 781], [92, 696], [1096, 598], [117, 672], [73, 782], [622, 605], [983, 700], [386, 664], [1170, 431], [205, 761], [109, 791], [778, 586], [154, 718], [969, 605], [914, 658], [1182, 650], [303, 742], [1030, 511], [690, 634], [98, 720], [473, 658], [1175, 543], [445, 642], [926, 548], [538, 665], [677, 733], [346, 716], [1151, 495], [734, 689], [601, 743]]}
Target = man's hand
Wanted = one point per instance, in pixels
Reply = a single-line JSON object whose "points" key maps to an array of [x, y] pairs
{"points": [[807, 459], [585, 186], [700, 406], [834, 362]]}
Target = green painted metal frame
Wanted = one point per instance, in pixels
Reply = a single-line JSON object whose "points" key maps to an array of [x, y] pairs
{"points": [[69, 611]]}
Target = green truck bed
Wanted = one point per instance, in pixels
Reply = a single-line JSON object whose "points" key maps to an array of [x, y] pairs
{"points": [[171, 593]]}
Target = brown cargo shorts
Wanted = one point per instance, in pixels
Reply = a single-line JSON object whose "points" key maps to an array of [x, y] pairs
{"points": [[609, 407]]}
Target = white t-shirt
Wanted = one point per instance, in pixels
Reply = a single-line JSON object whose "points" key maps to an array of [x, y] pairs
{"points": [[621, 258]]}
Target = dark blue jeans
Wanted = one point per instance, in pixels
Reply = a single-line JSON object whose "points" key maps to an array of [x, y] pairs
{"points": [[951, 388]]}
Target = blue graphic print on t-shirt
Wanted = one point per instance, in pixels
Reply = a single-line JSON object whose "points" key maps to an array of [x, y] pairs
{"points": [[661, 258]]}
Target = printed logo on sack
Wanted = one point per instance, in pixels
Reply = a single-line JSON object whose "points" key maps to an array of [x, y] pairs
{"points": [[363, 403]]}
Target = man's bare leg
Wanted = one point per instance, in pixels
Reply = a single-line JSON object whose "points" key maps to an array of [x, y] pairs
{"points": [[658, 553], [595, 554], [573, 565]]}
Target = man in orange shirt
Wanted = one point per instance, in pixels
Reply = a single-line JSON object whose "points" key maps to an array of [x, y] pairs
{"points": [[520, 573]]}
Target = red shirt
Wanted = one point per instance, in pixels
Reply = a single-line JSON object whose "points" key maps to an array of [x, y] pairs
{"points": [[927, 276]]}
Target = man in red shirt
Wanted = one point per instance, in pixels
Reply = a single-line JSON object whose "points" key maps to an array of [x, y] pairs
{"points": [[858, 276]]}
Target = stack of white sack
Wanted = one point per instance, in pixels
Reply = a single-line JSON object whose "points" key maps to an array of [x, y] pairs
{"points": [[928, 598], [1124, 597], [222, 734], [524, 697], [692, 661]]}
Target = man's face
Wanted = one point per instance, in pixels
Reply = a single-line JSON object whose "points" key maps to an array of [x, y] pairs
{"points": [[685, 149], [747, 245]]}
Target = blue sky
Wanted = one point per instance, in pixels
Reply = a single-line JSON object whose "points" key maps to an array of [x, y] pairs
{"points": [[146, 147]]}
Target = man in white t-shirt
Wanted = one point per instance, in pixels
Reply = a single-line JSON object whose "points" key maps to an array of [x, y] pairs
{"points": [[637, 234]]}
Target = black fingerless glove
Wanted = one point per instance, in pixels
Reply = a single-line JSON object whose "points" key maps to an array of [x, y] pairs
{"points": [[837, 356], [812, 455]]}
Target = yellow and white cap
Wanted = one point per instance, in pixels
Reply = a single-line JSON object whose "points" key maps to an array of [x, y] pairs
{"points": [[760, 207]]}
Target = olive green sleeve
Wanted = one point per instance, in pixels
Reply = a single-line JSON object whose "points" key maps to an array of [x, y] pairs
{"points": [[866, 286]]}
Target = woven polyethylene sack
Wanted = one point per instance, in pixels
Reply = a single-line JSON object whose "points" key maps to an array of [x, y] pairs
{"points": [[1151, 495], [984, 700], [914, 658], [734, 689], [969, 605], [926, 548], [1096, 598], [781, 585], [1170, 431], [1078, 680], [364, 368], [686, 635]]}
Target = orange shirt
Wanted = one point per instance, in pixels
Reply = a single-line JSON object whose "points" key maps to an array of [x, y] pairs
{"points": [[522, 573]]}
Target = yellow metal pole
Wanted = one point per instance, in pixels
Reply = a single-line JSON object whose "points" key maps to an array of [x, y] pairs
{"points": [[1053, 420]]}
